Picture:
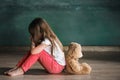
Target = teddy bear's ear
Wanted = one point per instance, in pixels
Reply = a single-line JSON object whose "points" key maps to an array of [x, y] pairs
{"points": [[72, 42], [71, 50], [72, 45]]}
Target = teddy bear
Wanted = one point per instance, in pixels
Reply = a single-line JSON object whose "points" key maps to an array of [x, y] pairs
{"points": [[72, 60]]}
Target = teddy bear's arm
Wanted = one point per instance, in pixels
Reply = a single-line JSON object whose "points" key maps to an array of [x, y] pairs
{"points": [[75, 65]]}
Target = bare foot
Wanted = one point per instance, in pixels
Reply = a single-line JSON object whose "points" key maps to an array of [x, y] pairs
{"points": [[16, 72], [10, 70]]}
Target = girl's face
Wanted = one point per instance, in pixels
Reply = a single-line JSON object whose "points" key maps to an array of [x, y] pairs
{"points": [[36, 34]]}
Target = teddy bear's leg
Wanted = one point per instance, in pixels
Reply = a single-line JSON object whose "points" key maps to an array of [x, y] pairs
{"points": [[86, 69]]}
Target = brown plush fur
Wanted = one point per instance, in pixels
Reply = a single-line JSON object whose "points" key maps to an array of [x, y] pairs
{"points": [[72, 64]]}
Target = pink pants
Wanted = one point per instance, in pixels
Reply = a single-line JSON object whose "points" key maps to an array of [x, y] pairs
{"points": [[46, 60]]}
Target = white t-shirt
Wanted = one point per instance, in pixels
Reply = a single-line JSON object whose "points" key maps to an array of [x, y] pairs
{"points": [[57, 52]]}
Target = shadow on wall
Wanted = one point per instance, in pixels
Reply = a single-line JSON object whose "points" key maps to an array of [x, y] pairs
{"points": [[104, 56]]}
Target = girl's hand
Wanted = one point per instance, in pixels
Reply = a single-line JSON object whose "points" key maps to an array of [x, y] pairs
{"points": [[32, 43]]}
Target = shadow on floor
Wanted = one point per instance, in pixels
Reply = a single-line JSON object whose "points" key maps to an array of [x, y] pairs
{"points": [[32, 72], [36, 72], [3, 69]]}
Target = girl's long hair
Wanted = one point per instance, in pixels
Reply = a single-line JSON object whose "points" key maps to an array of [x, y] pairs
{"points": [[39, 30]]}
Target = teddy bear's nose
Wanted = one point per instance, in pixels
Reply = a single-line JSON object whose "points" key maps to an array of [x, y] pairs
{"points": [[80, 55]]}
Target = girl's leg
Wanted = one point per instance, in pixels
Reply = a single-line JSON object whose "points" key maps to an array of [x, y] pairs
{"points": [[19, 63], [32, 58], [23, 59], [44, 58], [49, 63], [29, 61]]}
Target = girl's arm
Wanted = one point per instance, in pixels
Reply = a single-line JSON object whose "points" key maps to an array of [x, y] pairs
{"points": [[38, 49]]}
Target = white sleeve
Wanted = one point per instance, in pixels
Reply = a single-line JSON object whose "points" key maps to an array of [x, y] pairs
{"points": [[46, 41]]}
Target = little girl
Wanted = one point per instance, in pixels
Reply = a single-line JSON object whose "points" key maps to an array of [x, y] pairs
{"points": [[45, 48]]}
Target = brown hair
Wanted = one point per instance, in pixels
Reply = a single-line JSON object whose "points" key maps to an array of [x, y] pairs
{"points": [[39, 30]]}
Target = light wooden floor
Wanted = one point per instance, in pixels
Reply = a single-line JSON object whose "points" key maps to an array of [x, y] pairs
{"points": [[106, 66]]}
